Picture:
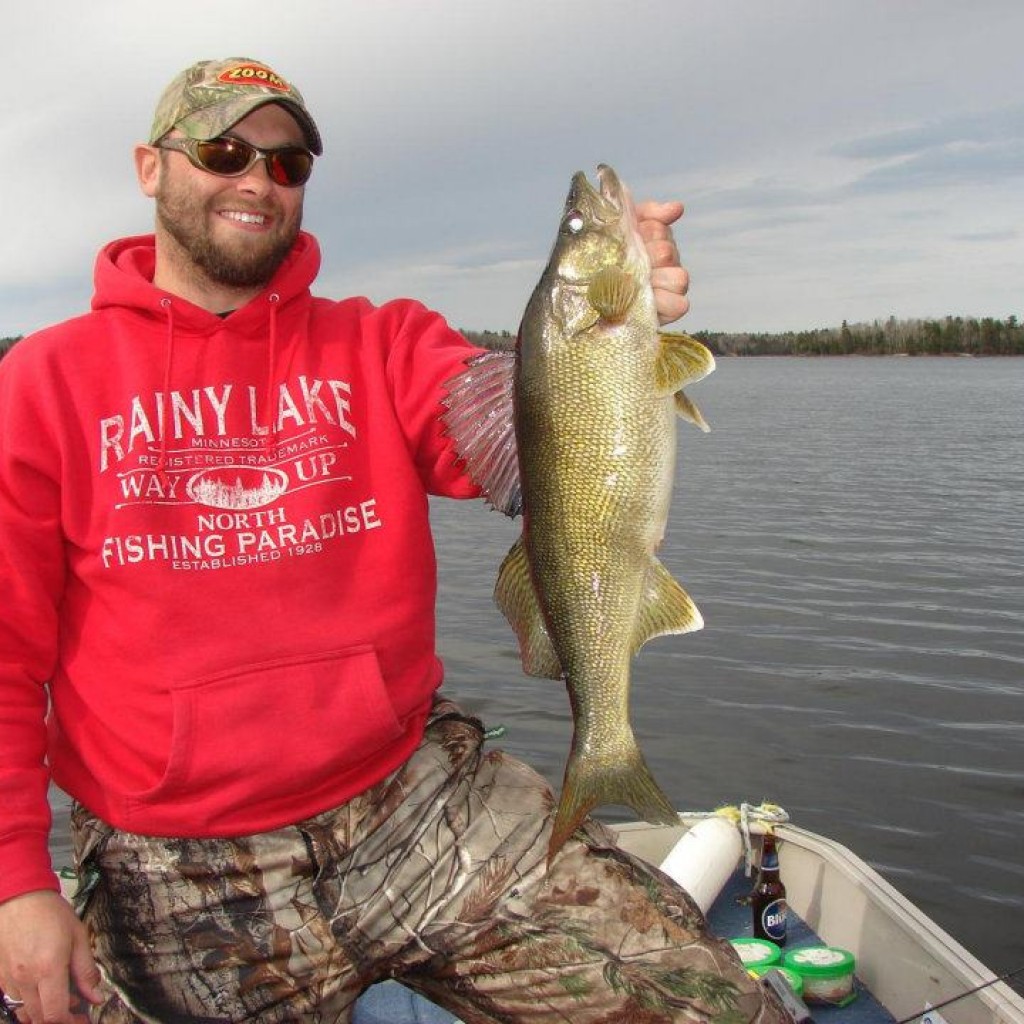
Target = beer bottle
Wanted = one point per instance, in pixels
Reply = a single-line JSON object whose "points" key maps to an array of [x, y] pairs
{"points": [[768, 900]]}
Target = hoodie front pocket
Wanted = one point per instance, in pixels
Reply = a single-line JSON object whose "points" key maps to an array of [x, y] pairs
{"points": [[264, 731]]}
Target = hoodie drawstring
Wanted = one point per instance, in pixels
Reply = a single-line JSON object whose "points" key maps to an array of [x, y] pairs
{"points": [[268, 416], [268, 412], [165, 394]]}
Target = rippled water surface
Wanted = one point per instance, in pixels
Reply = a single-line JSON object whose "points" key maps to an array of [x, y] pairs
{"points": [[853, 532]]}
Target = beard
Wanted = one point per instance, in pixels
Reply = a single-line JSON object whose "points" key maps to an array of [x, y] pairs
{"points": [[250, 263]]}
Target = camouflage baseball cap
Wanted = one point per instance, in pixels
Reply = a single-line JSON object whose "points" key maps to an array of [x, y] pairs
{"points": [[205, 100]]}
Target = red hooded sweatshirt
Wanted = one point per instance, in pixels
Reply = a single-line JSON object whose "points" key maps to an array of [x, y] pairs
{"points": [[215, 555]]}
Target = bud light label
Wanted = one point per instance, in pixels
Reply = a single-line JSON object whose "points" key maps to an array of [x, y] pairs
{"points": [[773, 920]]}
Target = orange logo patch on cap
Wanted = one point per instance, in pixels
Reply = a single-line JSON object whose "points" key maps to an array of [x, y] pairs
{"points": [[253, 74]]}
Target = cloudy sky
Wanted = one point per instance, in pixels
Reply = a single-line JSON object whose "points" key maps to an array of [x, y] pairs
{"points": [[838, 158]]}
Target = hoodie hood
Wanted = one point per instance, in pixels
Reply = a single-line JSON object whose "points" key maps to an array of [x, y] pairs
{"points": [[124, 278]]}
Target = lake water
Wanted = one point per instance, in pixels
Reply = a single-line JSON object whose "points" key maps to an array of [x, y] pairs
{"points": [[853, 532]]}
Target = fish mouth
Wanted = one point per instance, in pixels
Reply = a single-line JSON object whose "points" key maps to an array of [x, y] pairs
{"points": [[611, 188], [599, 229], [616, 194], [610, 208], [602, 205]]}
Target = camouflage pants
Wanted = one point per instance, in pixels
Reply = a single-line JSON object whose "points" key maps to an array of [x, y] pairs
{"points": [[437, 877]]}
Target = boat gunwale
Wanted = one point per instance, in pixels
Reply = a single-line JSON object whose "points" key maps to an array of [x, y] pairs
{"points": [[849, 904]]}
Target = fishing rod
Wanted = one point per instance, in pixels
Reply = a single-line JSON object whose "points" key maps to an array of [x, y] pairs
{"points": [[962, 995]]}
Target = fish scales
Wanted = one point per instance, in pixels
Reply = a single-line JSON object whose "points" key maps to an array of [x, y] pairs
{"points": [[594, 391], [590, 535]]}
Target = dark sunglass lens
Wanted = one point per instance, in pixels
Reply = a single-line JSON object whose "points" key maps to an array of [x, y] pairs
{"points": [[290, 166], [224, 156]]}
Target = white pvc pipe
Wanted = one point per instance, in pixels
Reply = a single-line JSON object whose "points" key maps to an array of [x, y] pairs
{"points": [[702, 861]]}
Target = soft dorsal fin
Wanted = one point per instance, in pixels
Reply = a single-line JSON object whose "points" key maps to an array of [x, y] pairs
{"points": [[515, 595]]}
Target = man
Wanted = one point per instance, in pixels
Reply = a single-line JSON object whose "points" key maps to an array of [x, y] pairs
{"points": [[214, 535]]}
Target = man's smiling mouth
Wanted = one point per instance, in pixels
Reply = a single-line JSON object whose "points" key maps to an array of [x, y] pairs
{"points": [[243, 217]]}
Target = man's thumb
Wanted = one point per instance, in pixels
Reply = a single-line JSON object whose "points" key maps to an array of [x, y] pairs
{"points": [[84, 971]]}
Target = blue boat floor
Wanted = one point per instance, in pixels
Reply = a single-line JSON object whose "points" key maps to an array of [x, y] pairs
{"points": [[392, 1003], [732, 920]]}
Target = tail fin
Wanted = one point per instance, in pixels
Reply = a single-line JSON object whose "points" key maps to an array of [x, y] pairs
{"points": [[590, 783]]}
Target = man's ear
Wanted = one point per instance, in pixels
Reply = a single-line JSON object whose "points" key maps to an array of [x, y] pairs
{"points": [[147, 169]]}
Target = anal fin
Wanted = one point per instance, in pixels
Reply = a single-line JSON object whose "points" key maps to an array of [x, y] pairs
{"points": [[665, 608]]}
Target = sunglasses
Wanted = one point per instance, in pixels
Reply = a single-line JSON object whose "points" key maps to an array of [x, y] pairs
{"points": [[290, 166]]}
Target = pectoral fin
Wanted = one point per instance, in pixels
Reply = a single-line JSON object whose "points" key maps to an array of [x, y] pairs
{"points": [[665, 608], [612, 293], [516, 597]]}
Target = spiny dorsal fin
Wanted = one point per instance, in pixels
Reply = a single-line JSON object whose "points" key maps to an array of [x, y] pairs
{"points": [[612, 293], [517, 599], [681, 361], [665, 608], [479, 422]]}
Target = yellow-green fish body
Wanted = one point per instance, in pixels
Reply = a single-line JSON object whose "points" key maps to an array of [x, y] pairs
{"points": [[596, 393]]}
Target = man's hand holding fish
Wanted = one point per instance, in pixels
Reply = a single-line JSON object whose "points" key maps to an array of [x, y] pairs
{"points": [[669, 280]]}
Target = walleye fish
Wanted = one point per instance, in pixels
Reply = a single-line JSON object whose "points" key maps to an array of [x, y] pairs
{"points": [[593, 390]]}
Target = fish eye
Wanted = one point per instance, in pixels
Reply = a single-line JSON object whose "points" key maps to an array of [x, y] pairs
{"points": [[574, 221]]}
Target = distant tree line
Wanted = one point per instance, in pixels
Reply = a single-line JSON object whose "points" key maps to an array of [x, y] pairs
{"points": [[951, 336], [491, 339]]}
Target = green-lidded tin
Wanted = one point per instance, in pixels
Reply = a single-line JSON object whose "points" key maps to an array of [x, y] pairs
{"points": [[827, 973], [757, 952], [796, 983]]}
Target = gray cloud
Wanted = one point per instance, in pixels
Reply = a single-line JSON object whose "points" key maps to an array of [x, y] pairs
{"points": [[968, 149], [816, 145], [982, 128], [1010, 235], [959, 164]]}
